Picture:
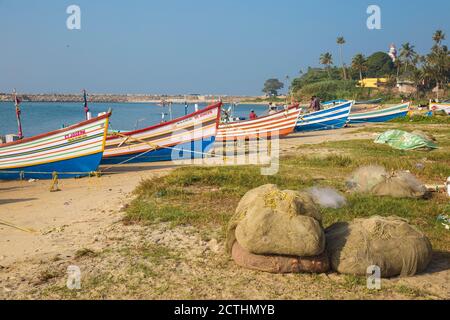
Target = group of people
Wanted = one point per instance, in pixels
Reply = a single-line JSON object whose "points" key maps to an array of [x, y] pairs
{"points": [[314, 106]]}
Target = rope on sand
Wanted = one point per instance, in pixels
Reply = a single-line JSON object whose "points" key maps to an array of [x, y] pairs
{"points": [[9, 224]]}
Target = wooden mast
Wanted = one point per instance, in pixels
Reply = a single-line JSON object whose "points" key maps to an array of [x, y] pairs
{"points": [[19, 122]]}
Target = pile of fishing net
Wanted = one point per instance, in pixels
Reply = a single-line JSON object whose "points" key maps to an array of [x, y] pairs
{"points": [[281, 232], [377, 181], [399, 139], [389, 243], [277, 231]]}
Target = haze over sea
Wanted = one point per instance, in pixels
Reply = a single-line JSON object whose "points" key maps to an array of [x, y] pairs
{"points": [[39, 117]]}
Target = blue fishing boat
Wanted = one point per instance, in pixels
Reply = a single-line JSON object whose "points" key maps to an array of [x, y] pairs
{"points": [[382, 115], [339, 101], [332, 118], [188, 137], [73, 151], [333, 102], [373, 101]]}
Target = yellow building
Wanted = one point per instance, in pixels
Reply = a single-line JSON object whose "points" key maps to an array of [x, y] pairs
{"points": [[372, 82]]}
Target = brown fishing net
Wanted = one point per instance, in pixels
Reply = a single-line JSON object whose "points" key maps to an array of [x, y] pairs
{"points": [[389, 243], [377, 181], [270, 221]]}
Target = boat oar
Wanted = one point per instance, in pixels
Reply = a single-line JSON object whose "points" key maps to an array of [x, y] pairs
{"points": [[9, 224]]}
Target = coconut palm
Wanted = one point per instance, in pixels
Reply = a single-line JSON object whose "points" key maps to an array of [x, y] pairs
{"points": [[417, 76], [407, 54], [438, 37], [288, 88], [359, 63], [341, 41], [438, 65], [327, 60]]}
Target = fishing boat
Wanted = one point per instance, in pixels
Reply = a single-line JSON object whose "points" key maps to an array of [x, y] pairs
{"points": [[382, 115], [333, 102], [278, 124], [373, 101], [339, 101], [73, 151], [440, 107], [334, 117], [187, 137]]}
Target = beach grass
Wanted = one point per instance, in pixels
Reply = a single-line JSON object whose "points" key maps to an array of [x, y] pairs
{"points": [[207, 196], [165, 251], [444, 119]]}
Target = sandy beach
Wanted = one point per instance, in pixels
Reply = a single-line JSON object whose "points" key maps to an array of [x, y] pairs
{"points": [[88, 213]]}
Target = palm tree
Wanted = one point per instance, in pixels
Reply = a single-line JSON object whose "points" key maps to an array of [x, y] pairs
{"points": [[359, 63], [288, 88], [327, 60], [418, 77], [408, 54], [438, 65], [438, 37], [341, 41]]}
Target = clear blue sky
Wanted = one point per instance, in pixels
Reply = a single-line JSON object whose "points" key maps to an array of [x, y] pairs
{"points": [[204, 46]]}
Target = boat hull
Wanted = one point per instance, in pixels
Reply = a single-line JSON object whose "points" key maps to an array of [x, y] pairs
{"points": [[333, 118], [440, 107], [190, 150], [80, 167], [380, 115], [74, 151], [278, 124], [184, 138]]}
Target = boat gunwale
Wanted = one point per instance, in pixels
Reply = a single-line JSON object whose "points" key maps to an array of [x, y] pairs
{"points": [[47, 134], [159, 125], [377, 112], [223, 125]]}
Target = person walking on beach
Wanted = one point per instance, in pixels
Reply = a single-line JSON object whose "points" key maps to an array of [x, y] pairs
{"points": [[315, 103], [253, 115]]}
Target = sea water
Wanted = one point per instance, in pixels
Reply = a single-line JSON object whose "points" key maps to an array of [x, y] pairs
{"points": [[41, 117]]}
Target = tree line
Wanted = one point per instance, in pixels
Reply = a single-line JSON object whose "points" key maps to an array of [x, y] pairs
{"points": [[424, 72]]}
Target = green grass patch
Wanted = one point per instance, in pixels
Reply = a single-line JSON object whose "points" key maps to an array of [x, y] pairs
{"points": [[207, 196], [418, 119]]}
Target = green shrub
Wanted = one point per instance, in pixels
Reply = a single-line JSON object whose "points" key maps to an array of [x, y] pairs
{"points": [[330, 90]]}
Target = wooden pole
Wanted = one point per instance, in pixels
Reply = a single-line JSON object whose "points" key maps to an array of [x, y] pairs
{"points": [[86, 107], [19, 122]]}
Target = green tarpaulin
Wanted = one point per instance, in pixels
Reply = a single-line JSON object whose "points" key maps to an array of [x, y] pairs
{"points": [[403, 140]]}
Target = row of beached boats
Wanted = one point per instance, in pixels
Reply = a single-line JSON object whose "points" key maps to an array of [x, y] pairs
{"points": [[80, 149]]}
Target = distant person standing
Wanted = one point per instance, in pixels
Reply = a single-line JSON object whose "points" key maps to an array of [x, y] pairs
{"points": [[272, 108], [315, 103], [253, 115]]}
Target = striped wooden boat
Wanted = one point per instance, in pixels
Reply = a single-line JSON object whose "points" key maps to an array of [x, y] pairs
{"points": [[380, 115], [278, 124], [71, 152], [373, 101], [333, 102], [440, 106], [339, 101], [187, 137], [332, 118]]}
